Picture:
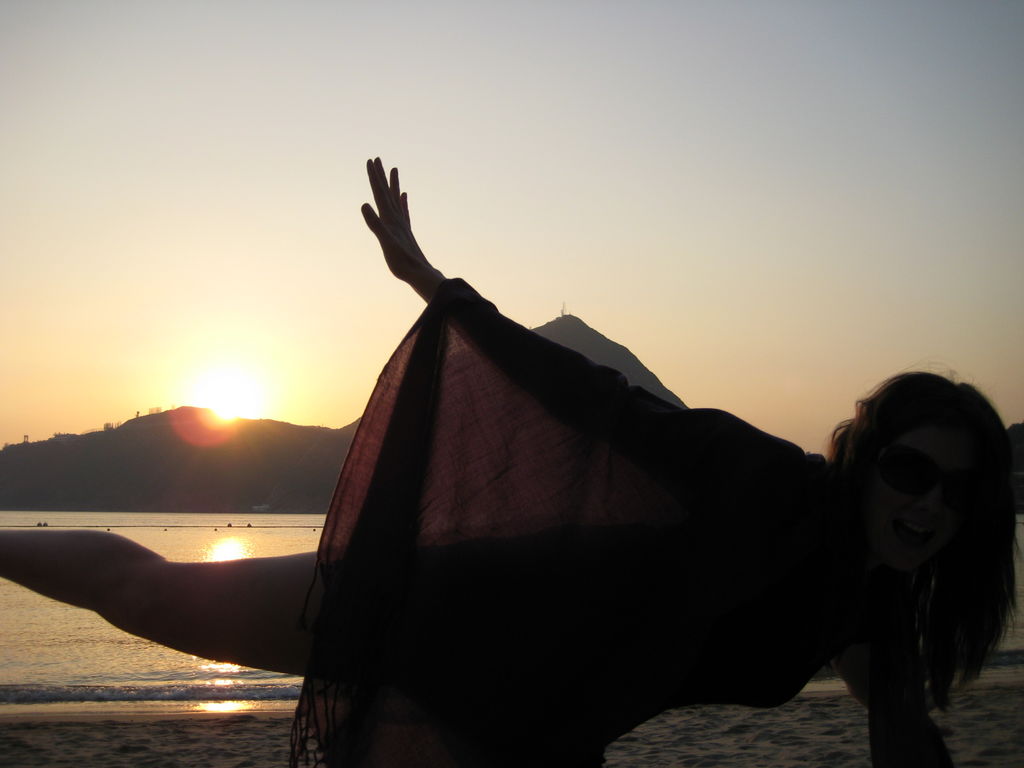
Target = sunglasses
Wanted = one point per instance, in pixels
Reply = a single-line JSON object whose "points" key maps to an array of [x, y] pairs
{"points": [[910, 471]]}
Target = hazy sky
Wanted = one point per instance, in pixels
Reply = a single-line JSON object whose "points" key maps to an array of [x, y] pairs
{"points": [[775, 205]]}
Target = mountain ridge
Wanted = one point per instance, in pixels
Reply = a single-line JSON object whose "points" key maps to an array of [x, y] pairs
{"points": [[570, 331], [184, 460]]}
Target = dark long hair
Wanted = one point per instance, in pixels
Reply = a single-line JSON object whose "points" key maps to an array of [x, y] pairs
{"points": [[963, 598]]}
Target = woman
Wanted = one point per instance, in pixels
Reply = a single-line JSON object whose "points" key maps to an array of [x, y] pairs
{"points": [[526, 558]]}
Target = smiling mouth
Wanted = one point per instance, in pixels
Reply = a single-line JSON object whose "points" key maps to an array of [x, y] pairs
{"points": [[912, 534]]}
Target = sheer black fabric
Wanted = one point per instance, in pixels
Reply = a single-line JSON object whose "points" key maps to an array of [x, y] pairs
{"points": [[526, 557]]}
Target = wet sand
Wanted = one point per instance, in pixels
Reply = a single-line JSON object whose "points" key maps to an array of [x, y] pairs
{"points": [[985, 728]]}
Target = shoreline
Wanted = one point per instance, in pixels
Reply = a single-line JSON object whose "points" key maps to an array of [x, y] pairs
{"points": [[818, 727], [131, 712], [825, 685]]}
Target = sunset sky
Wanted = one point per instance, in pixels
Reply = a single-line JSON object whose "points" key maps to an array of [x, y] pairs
{"points": [[774, 205]]}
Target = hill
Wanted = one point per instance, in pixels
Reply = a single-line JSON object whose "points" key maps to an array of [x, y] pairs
{"points": [[1016, 433], [183, 460], [570, 331]]}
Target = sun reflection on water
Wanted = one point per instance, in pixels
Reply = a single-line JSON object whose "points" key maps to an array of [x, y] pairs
{"points": [[220, 675], [224, 706], [229, 548]]}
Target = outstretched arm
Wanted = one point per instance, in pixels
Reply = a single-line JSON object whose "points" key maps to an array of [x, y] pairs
{"points": [[242, 611], [390, 223]]}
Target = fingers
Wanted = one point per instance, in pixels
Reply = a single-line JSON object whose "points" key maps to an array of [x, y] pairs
{"points": [[387, 194], [378, 185], [371, 218], [396, 195]]}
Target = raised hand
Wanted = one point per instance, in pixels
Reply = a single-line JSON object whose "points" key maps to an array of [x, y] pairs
{"points": [[390, 223]]}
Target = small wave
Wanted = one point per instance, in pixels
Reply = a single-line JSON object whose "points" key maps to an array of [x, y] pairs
{"points": [[1008, 658], [58, 694], [54, 694]]}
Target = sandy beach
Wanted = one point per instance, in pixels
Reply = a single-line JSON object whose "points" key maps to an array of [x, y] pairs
{"points": [[985, 728]]}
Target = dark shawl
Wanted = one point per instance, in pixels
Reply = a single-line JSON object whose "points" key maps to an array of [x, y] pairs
{"points": [[525, 557]]}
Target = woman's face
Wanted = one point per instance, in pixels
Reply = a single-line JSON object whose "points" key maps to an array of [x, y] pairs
{"points": [[907, 523]]}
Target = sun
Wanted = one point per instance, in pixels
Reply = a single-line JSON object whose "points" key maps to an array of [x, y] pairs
{"points": [[230, 393]]}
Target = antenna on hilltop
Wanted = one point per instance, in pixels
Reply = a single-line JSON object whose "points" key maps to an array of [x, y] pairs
{"points": [[563, 310]]}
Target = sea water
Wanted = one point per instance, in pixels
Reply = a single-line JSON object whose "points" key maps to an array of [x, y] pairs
{"points": [[54, 656], [57, 657]]}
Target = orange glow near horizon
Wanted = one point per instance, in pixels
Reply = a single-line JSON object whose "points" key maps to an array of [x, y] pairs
{"points": [[202, 427]]}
